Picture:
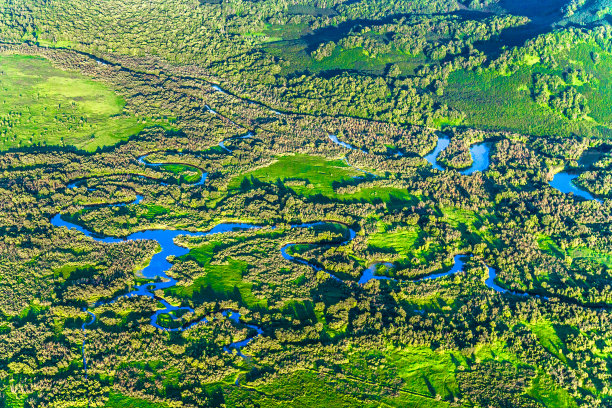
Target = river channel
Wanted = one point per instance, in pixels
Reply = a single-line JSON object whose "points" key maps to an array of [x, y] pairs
{"points": [[156, 270]]}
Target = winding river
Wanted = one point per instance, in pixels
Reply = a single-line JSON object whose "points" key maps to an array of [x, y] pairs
{"points": [[458, 264], [157, 269], [480, 153], [203, 174]]}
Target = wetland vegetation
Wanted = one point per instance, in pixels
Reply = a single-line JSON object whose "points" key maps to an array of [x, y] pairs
{"points": [[350, 203]]}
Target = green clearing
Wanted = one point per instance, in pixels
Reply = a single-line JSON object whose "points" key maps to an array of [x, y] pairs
{"points": [[154, 210], [14, 400], [548, 245], [495, 351], [313, 175], [306, 175], [299, 389], [41, 104], [548, 338], [72, 271], [391, 196], [409, 242], [223, 281], [122, 401], [424, 371], [401, 240], [545, 391], [187, 174], [314, 389], [471, 225]]}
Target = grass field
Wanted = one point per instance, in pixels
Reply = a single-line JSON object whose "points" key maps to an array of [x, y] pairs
{"points": [[391, 196], [424, 371], [222, 281], [401, 241], [188, 174], [315, 174], [122, 401], [40, 104], [548, 245], [312, 175], [549, 339], [549, 394]]}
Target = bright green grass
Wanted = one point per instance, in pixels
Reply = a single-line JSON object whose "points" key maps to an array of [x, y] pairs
{"points": [[548, 338], [318, 173], [390, 195], [224, 280], [548, 245], [408, 242], [154, 210], [73, 271], [549, 394], [299, 389], [187, 173], [122, 401], [495, 101], [424, 371], [42, 104], [14, 400], [456, 216], [470, 224], [497, 351], [310, 389], [401, 241]]}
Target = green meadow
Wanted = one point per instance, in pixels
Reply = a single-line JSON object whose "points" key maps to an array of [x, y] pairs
{"points": [[187, 174], [43, 105], [221, 281], [307, 175]]}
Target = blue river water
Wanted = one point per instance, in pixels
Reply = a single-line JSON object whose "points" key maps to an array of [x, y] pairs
{"points": [[564, 182], [370, 273], [159, 264], [458, 264], [480, 153], [432, 157], [227, 150]]}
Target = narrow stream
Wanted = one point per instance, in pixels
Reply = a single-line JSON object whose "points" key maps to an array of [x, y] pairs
{"points": [[458, 264], [203, 174], [159, 265], [227, 150]]}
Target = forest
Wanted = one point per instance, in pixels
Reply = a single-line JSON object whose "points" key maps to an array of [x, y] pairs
{"points": [[236, 203]]}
